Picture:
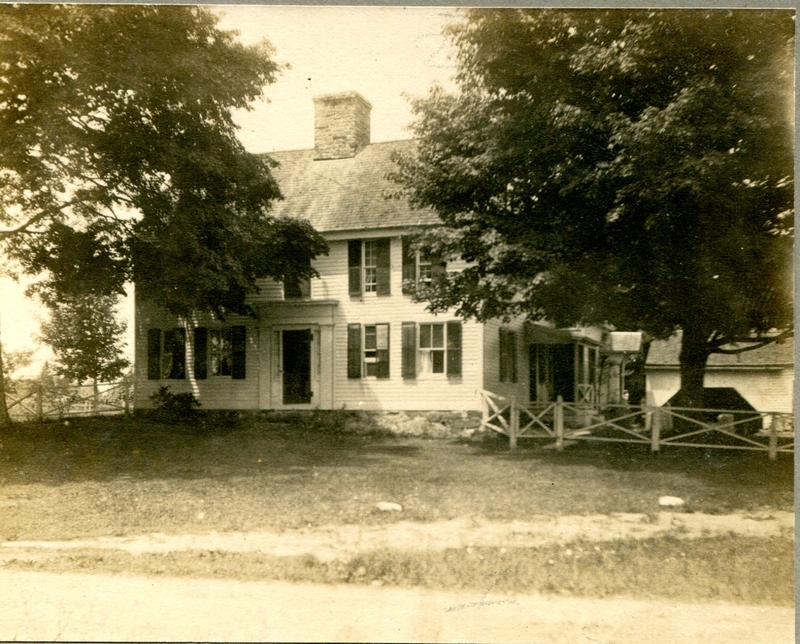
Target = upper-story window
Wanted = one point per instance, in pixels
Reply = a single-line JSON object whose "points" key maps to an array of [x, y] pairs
{"points": [[419, 269], [369, 266]]}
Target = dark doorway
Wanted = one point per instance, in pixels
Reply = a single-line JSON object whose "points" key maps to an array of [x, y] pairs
{"points": [[564, 371], [297, 367]]}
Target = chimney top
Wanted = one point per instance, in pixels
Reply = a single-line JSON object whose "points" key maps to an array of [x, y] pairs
{"points": [[341, 125]]}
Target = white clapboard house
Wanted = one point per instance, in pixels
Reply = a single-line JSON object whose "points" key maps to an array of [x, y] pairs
{"points": [[353, 338]]}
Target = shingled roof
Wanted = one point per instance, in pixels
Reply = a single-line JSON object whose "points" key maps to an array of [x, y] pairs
{"points": [[665, 353], [345, 194]]}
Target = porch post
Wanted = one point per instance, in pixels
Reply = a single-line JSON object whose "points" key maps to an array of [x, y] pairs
{"points": [[773, 438], [513, 424], [558, 418], [655, 435]]}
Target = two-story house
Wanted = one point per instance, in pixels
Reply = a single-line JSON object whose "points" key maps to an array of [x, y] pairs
{"points": [[353, 337]]}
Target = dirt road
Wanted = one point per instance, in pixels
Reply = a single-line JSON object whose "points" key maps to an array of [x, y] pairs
{"points": [[46, 606]]}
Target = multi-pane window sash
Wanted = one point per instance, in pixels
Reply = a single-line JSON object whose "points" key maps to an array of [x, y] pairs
{"points": [[369, 266], [220, 351], [431, 348], [166, 358], [367, 350], [419, 269]]}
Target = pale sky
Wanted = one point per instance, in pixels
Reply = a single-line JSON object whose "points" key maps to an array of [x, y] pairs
{"points": [[384, 53]]}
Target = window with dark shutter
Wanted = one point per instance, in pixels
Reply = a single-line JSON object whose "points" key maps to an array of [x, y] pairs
{"points": [[154, 354], [376, 350], [508, 356], [200, 353], [409, 350], [354, 266], [454, 349], [354, 350], [175, 353], [384, 266], [238, 352], [409, 267]]}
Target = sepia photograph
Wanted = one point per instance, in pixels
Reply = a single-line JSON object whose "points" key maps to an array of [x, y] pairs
{"points": [[397, 324]]}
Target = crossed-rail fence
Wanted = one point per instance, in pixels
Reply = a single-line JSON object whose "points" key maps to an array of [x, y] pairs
{"points": [[36, 401], [658, 427]]}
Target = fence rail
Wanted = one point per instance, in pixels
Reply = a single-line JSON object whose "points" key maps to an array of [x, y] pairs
{"points": [[658, 427], [43, 402]]}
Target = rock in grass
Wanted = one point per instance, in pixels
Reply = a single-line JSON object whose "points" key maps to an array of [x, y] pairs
{"points": [[386, 506], [670, 501]]}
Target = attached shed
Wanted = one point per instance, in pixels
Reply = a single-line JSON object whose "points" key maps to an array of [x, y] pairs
{"points": [[764, 377]]}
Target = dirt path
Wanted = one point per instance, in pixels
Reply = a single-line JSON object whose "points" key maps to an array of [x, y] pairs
{"points": [[342, 541], [46, 606]]}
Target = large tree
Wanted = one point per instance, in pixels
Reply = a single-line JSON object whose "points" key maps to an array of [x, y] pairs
{"points": [[629, 167], [119, 158]]}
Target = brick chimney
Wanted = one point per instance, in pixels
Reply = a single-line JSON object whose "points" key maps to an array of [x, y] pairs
{"points": [[341, 125]]}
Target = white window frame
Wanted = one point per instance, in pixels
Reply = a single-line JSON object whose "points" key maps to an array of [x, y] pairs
{"points": [[369, 270], [425, 360], [220, 351]]}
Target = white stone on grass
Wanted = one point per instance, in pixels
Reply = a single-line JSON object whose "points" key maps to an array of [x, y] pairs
{"points": [[386, 506]]}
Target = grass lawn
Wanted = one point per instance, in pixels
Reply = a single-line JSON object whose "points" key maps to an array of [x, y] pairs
{"points": [[119, 477]]}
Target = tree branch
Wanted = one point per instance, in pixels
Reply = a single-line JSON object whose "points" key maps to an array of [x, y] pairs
{"points": [[756, 344]]}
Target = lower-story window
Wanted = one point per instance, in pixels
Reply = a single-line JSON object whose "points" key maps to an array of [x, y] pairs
{"points": [[166, 354], [432, 348], [220, 351], [367, 350]]}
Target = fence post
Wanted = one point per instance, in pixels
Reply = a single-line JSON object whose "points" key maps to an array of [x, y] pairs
{"points": [[39, 413], [558, 421], [513, 425], [655, 435], [773, 438]]}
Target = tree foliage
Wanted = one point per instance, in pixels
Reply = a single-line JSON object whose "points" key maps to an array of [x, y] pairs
{"points": [[86, 337], [631, 167], [120, 159]]}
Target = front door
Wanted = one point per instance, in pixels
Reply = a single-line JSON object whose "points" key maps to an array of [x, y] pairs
{"points": [[296, 367]]}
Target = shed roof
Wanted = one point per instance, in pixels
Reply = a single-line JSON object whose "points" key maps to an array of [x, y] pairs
{"points": [[665, 353], [345, 194]]}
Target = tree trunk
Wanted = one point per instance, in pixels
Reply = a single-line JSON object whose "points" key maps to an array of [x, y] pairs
{"points": [[5, 419], [95, 397], [693, 358]]}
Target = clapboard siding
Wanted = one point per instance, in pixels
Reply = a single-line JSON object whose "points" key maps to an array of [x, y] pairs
{"points": [[491, 362], [214, 392], [764, 389], [394, 393]]}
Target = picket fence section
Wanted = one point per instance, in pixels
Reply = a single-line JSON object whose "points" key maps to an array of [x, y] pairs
{"points": [[40, 402], [658, 427]]}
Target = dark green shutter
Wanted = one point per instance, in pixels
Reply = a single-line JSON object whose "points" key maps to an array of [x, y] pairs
{"points": [[353, 350], [154, 354], [454, 349], [384, 266], [512, 354], [409, 267], [200, 353], [175, 345], [409, 350], [354, 266], [239, 352]]}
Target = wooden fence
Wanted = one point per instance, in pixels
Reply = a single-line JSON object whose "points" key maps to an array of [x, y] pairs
{"points": [[35, 401], [658, 427]]}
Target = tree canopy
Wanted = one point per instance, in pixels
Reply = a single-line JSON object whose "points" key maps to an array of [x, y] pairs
{"points": [[120, 158], [632, 167]]}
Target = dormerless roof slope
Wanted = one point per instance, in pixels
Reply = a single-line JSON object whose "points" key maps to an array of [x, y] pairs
{"points": [[345, 194], [664, 353]]}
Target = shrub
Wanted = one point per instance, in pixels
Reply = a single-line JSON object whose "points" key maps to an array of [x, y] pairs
{"points": [[174, 407]]}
